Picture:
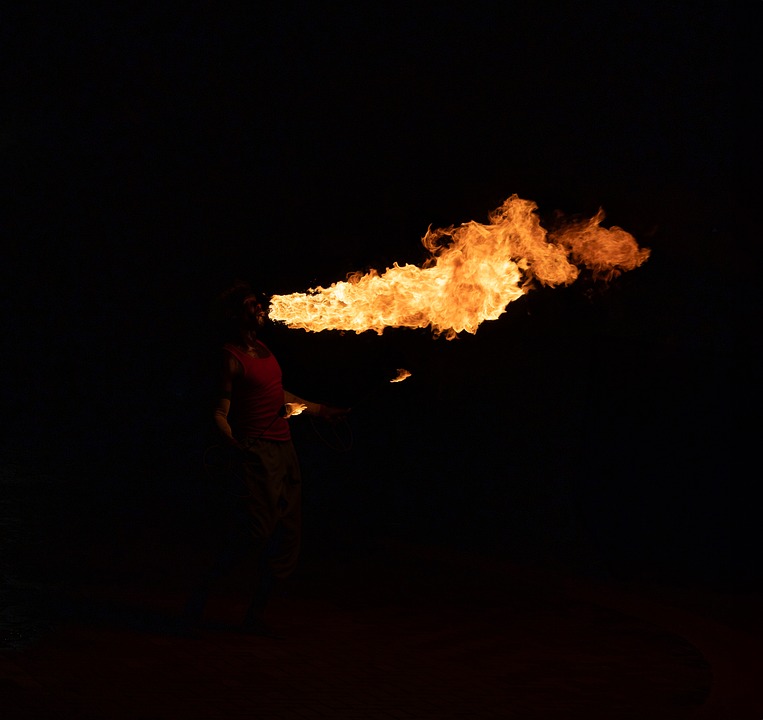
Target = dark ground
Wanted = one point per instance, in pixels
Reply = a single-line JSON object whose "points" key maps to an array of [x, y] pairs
{"points": [[372, 629], [555, 517]]}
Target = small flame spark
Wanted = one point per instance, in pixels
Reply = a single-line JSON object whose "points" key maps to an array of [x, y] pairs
{"points": [[402, 374], [474, 271]]}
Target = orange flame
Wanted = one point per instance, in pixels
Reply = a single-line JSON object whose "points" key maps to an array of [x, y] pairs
{"points": [[402, 374], [294, 409], [474, 271]]}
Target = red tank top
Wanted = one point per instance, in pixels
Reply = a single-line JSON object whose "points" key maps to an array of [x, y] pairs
{"points": [[257, 398]]}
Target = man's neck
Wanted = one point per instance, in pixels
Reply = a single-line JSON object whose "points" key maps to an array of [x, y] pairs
{"points": [[249, 338]]}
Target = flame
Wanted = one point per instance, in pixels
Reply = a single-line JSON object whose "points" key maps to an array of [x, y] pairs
{"points": [[474, 271], [294, 409], [402, 374]]}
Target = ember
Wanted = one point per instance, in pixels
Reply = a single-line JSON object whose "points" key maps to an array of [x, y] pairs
{"points": [[402, 374], [474, 271]]}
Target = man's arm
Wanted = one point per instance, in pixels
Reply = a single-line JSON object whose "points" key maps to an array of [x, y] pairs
{"points": [[222, 406], [312, 408]]}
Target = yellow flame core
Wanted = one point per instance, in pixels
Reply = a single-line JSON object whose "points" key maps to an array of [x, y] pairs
{"points": [[474, 271]]}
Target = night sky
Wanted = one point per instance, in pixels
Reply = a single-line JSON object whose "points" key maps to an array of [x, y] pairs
{"points": [[153, 154]]}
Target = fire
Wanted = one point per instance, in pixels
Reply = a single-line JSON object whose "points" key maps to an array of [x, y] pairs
{"points": [[402, 374], [474, 271], [292, 409]]}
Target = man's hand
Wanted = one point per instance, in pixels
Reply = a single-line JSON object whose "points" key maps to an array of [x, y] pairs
{"points": [[332, 414]]}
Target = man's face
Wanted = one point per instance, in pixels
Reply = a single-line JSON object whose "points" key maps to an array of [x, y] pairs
{"points": [[253, 316]]}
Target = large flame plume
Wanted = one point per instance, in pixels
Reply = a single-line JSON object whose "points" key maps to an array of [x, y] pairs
{"points": [[474, 271]]}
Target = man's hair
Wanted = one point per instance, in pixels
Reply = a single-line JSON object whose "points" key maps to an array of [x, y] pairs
{"points": [[232, 298]]}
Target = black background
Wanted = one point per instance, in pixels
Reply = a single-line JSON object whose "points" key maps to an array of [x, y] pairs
{"points": [[155, 152]]}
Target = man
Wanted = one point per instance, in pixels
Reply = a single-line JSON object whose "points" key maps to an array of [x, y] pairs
{"points": [[250, 415]]}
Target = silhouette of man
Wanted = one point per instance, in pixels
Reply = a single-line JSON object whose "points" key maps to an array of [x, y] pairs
{"points": [[250, 417]]}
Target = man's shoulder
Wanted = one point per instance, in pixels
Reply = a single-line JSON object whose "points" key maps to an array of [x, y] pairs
{"points": [[231, 357]]}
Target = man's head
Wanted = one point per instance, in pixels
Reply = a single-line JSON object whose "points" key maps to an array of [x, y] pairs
{"points": [[252, 315], [241, 308]]}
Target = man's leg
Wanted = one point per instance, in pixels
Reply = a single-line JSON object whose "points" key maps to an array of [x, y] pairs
{"points": [[281, 552]]}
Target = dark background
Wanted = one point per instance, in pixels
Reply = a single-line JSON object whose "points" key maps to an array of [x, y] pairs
{"points": [[153, 153]]}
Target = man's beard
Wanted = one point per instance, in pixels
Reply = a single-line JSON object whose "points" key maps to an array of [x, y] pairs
{"points": [[254, 322]]}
